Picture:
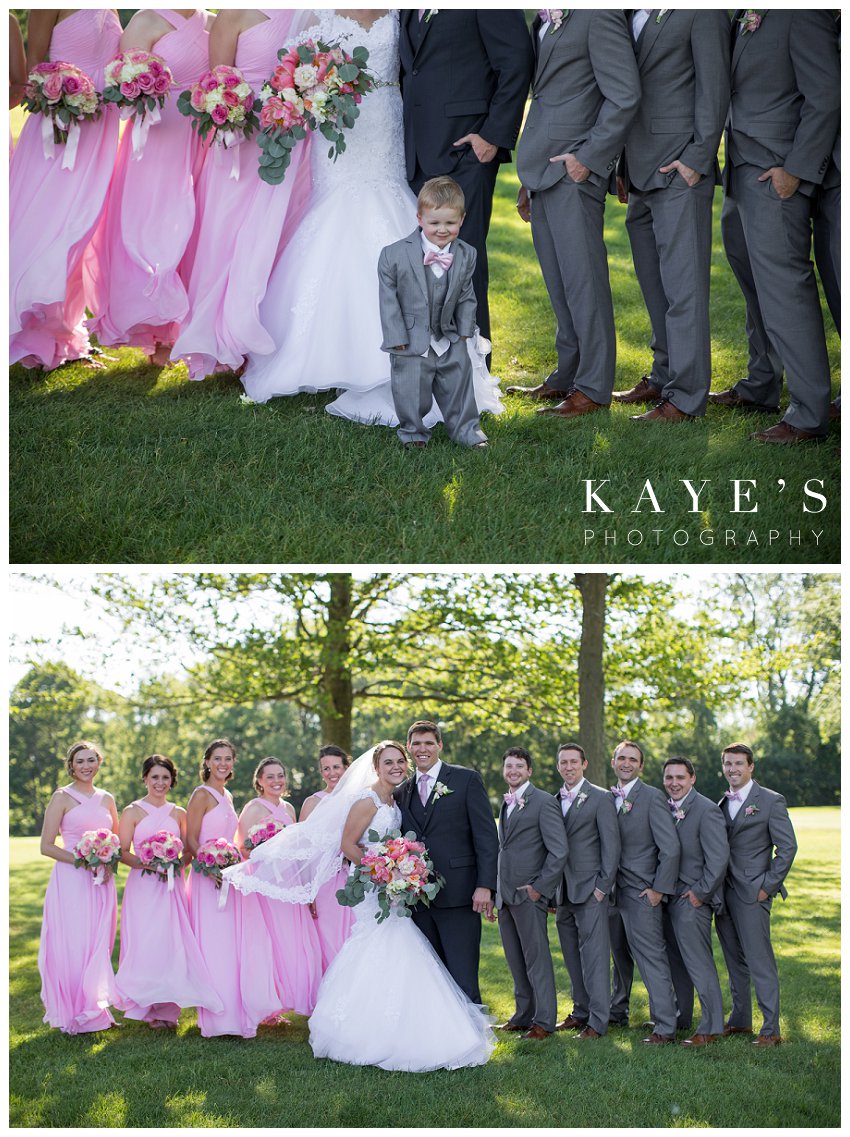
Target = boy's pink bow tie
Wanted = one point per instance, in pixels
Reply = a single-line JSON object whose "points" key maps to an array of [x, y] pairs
{"points": [[444, 260]]}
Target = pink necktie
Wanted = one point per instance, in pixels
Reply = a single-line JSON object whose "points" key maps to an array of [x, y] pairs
{"points": [[733, 797], [423, 788], [510, 799], [444, 260], [422, 12]]}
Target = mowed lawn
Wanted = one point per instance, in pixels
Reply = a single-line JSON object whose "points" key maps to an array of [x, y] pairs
{"points": [[136, 464], [136, 1077]]}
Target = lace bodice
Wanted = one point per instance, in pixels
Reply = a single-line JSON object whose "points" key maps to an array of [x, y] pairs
{"points": [[374, 151], [386, 818]]}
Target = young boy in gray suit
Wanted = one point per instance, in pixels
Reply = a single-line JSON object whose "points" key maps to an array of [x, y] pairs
{"points": [[428, 311]]}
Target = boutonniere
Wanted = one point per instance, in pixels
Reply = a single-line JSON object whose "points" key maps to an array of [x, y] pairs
{"points": [[627, 806], [428, 17], [751, 20], [749, 810], [581, 797], [679, 815], [440, 790], [555, 16], [662, 12]]}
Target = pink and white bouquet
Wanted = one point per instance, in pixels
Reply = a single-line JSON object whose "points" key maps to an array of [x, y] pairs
{"points": [[215, 855], [65, 96], [315, 87], [97, 850], [137, 82], [398, 869], [264, 831], [160, 856], [223, 102]]}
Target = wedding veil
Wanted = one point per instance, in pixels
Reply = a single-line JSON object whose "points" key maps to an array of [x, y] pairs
{"points": [[295, 863]]}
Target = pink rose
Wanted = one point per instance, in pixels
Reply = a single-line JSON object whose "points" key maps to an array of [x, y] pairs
{"points": [[146, 854], [130, 90], [221, 860], [171, 853], [208, 83], [155, 68], [231, 81], [52, 88], [197, 99], [105, 855], [231, 99], [146, 82], [48, 68], [71, 85], [162, 84]]}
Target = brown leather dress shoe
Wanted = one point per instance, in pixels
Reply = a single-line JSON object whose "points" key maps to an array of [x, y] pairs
{"points": [[730, 398], [589, 1032], [537, 1032], [658, 1039], [664, 412], [642, 392], [767, 1040], [727, 1030], [542, 393], [510, 1026], [784, 434], [414, 445], [571, 1023], [700, 1040], [835, 411], [574, 404]]}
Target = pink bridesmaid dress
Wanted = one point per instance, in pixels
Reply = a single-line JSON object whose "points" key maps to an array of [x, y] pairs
{"points": [[53, 212], [78, 931], [160, 968], [132, 266], [295, 941], [241, 228], [237, 952], [333, 920]]}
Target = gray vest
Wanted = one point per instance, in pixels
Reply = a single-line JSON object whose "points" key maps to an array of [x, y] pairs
{"points": [[437, 290]]}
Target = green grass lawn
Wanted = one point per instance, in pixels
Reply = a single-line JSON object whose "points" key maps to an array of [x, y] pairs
{"points": [[135, 1077], [139, 465]]}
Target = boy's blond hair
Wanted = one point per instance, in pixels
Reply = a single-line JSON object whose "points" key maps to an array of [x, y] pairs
{"points": [[442, 192]]}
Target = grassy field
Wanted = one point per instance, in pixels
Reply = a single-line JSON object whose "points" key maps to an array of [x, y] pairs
{"points": [[135, 1077], [138, 465]]}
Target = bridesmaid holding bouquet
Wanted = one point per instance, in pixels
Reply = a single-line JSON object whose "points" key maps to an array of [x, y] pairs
{"points": [[333, 921], [242, 222], [132, 266], [56, 196], [160, 968], [80, 915], [241, 965], [294, 939]]}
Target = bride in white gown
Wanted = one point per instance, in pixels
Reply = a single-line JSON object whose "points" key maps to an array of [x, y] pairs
{"points": [[424, 1021], [321, 305]]}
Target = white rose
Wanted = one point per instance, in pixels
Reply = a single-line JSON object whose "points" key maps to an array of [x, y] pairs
{"points": [[306, 75]]}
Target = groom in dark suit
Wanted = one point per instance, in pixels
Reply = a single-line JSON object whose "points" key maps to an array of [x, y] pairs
{"points": [[448, 809], [465, 75]]}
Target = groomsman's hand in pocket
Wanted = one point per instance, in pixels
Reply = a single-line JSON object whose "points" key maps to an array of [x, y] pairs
{"points": [[576, 171], [785, 184], [622, 192], [533, 894], [523, 204], [484, 151], [652, 896], [689, 175]]}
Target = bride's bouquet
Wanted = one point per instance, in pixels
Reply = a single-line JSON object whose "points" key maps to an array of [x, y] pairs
{"points": [[137, 82], [64, 96], [315, 87], [398, 869]]}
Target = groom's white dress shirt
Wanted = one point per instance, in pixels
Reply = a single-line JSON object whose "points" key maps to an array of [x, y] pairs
{"points": [[433, 774]]}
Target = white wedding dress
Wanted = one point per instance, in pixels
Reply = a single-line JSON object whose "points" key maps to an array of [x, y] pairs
{"points": [[387, 1000], [321, 305]]}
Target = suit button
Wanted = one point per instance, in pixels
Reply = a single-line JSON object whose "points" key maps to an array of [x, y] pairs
{"points": [[415, 71]]}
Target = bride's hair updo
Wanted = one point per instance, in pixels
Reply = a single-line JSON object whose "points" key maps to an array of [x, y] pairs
{"points": [[387, 744]]}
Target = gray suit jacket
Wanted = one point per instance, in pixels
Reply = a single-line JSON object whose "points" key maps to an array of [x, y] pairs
{"points": [[649, 847], [532, 848], [584, 96], [403, 296], [684, 61], [705, 850], [786, 94], [762, 845], [593, 845]]}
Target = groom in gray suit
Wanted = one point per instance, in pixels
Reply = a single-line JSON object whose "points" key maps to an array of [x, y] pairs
{"points": [[687, 914], [783, 119], [584, 96], [668, 173], [581, 916], [532, 852], [762, 847], [648, 871]]}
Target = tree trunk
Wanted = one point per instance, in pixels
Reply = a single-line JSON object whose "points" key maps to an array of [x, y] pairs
{"points": [[335, 689], [592, 587]]}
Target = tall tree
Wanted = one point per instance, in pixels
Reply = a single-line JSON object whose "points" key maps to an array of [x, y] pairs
{"points": [[593, 587]]}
